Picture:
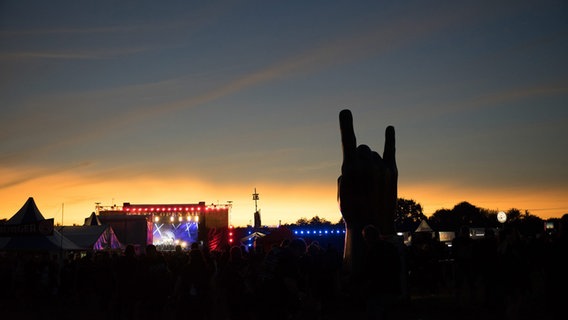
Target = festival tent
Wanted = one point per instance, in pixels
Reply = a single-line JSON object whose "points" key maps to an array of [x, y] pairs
{"points": [[423, 231], [28, 213], [28, 230], [92, 220], [92, 237], [275, 237], [423, 227], [54, 242], [252, 237]]}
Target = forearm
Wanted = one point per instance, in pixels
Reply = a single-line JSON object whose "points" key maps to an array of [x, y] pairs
{"points": [[354, 249]]}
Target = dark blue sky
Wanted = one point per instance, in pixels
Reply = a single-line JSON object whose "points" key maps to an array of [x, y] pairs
{"points": [[187, 101]]}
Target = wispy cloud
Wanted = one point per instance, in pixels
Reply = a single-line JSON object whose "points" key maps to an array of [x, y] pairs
{"points": [[95, 54], [19, 176], [369, 40]]}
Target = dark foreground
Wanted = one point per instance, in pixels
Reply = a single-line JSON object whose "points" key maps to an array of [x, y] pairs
{"points": [[419, 306]]}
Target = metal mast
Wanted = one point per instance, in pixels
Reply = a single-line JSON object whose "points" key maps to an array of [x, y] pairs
{"points": [[255, 198]]}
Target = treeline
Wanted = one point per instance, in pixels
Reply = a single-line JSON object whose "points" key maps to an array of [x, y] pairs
{"points": [[410, 213]]}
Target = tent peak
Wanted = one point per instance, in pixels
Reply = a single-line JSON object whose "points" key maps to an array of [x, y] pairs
{"points": [[28, 213]]}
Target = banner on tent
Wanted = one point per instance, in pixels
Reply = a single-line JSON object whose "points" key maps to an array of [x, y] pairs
{"points": [[42, 227]]}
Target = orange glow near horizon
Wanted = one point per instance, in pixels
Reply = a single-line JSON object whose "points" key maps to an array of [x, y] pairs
{"points": [[70, 199]]}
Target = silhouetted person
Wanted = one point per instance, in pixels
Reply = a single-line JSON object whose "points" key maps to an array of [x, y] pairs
{"points": [[381, 274], [193, 285], [156, 276], [85, 277], [462, 247], [234, 280], [513, 271], [128, 284], [556, 270], [485, 254]]}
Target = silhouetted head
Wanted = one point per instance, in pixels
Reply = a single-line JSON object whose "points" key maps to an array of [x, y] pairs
{"points": [[314, 248], [129, 251], [563, 226], [285, 243], [235, 253], [371, 233], [298, 246], [464, 231], [151, 250]]}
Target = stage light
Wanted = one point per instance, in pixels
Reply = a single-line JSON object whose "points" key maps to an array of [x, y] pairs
{"points": [[196, 218], [180, 219], [231, 234], [172, 219], [157, 219]]}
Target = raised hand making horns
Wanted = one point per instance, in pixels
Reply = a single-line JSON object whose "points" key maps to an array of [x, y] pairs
{"points": [[366, 189]]}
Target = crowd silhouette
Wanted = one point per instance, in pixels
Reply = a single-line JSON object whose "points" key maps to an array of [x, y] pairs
{"points": [[504, 275]]}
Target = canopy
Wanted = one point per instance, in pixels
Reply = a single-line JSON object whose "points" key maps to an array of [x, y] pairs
{"points": [[92, 220], [423, 227], [54, 242], [253, 236], [29, 213], [275, 237], [28, 230], [92, 237]]}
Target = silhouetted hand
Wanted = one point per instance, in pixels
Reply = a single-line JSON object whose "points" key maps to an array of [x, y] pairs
{"points": [[366, 189]]}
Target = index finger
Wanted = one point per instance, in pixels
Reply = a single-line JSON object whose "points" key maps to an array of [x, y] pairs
{"points": [[389, 151], [348, 141]]}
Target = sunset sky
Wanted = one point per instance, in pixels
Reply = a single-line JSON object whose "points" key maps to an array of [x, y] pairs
{"points": [[187, 101]]}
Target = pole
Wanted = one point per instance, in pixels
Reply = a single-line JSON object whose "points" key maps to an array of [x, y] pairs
{"points": [[61, 234], [255, 198]]}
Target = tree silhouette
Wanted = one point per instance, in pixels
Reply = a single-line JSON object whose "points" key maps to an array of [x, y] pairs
{"points": [[408, 214], [463, 214], [513, 214], [317, 221]]}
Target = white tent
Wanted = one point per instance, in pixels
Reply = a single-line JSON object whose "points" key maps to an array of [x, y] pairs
{"points": [[423, 227], [252, 237]]}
